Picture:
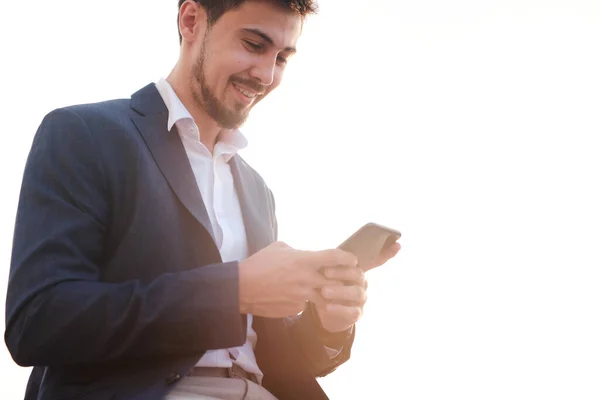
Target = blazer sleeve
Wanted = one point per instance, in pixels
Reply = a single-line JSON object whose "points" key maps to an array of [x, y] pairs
{"points": [[58, 311], [314, 342]]}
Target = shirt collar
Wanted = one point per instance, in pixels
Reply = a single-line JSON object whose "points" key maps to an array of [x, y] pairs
{"points": [[232, 140], [177, 110]]}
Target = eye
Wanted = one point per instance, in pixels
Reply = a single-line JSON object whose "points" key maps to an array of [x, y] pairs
{"points": [[281, 60], [252, 46]]}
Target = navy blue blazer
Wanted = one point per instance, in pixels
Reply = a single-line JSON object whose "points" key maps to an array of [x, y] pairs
{"points": [[116, 286]]}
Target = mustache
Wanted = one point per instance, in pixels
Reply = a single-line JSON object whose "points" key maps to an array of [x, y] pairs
{"points": [[252, 84]]}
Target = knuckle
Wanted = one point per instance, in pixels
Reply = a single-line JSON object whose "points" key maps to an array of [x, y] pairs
{"points": [[339, 257], [350, 294], [350, 259], [323, 281], [329, 272], [361, 274], [360, 293], [357, 275], [333, 257]]}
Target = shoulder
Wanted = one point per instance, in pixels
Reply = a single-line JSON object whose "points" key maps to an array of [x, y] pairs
{"points": [[77, 125], [103, 124], [101, 115], [101, 136], [88, 115]]}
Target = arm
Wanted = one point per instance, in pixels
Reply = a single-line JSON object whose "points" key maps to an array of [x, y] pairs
{"points": [[58, 311]]}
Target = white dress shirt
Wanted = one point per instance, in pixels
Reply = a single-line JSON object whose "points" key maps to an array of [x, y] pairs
{"points": [[214, 179]]}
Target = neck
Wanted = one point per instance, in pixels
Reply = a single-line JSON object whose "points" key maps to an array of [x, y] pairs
{"points": [[208, 127]]}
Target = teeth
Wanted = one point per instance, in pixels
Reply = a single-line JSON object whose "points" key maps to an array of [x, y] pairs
{"points": [[244, 92]]}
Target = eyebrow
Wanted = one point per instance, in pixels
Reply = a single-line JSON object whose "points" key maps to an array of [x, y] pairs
{"points": [[266, 38]]}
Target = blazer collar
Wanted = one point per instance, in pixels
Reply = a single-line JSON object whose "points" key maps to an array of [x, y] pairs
{"points": [[167, 149]]}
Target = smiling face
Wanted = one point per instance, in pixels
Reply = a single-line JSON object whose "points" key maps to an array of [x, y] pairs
{"points": [[241, 58]]}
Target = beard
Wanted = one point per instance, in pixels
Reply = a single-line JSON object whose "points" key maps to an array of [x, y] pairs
{"points": [[225, 117]]}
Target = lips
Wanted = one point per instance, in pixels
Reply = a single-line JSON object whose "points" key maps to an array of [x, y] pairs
{"points": [[249, 93]]}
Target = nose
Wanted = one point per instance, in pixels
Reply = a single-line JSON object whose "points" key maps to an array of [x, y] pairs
{"points": [[264, 71]]}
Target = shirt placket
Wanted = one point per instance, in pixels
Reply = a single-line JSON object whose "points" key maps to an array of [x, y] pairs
{"points": [[218, 203]]}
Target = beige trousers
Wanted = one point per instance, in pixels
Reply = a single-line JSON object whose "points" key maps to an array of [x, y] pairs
{"points": [[209, 388]]}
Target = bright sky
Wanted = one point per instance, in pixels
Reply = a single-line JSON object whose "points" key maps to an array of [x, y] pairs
{"points": [[469, 125]]}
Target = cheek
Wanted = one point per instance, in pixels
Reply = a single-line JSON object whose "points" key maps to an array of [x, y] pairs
{"points": [[219, 66], [237, 62], [277, 79]]}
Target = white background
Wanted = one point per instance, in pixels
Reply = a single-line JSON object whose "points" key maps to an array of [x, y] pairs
{"points": [[471, 126]]}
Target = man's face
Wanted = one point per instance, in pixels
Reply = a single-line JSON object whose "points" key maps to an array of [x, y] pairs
{"points": [[241, 59]]}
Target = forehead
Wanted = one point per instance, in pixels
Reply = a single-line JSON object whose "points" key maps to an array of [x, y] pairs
{"points": [[281, 25]]}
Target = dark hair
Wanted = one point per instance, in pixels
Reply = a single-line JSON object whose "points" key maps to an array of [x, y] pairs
{"points": [[216, 8]]}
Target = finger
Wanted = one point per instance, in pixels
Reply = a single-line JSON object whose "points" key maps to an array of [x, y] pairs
{"points": [[347, 275], [391, 251], [317, 280], [387, 254], [316, 298], [350, 295], [335, 257], [351, 314]]}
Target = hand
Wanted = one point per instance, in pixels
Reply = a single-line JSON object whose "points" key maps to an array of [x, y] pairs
{"points": [[386, 254], [345, 299], [278, 280]]}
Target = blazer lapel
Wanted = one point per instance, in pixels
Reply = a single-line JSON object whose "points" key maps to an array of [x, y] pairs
{"points": [[168, 151], [254, 202]]}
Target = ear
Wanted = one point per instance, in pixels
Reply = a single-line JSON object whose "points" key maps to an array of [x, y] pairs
{"points": [[192, 21]]}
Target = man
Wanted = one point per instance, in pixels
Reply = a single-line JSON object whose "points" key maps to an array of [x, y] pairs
{"points": [[145, 263]]}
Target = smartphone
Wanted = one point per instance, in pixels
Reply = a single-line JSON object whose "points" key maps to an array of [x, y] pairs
{"points": [[367, 242]]}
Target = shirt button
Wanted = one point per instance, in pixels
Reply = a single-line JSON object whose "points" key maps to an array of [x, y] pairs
{"points": [[172, 378]]}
